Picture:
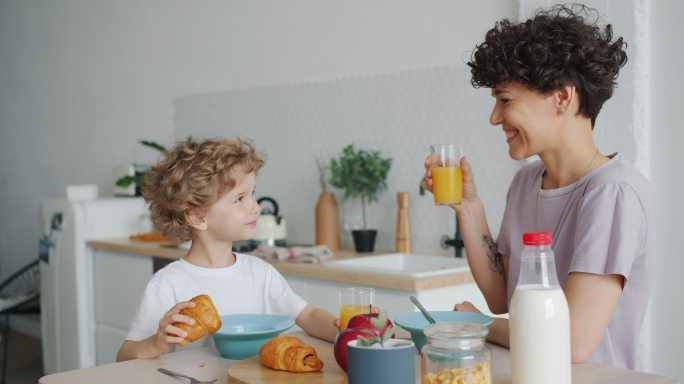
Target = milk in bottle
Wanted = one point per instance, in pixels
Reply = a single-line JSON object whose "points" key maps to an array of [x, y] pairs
{"points": [[539, 318]]}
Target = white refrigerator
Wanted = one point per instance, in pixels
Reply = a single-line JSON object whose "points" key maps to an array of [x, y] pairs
{"points": [[67, 320]]}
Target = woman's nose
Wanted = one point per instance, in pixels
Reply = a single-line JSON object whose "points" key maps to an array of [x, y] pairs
{"points": [[496, 118]]}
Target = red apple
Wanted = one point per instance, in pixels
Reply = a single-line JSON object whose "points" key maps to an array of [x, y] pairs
{"points": [[363, 321], [355, 328], [340, 345]]}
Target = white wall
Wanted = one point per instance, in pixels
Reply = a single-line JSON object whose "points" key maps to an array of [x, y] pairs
{"points": [[621, 126], [81, 81], [398, 113], [667, 306]]}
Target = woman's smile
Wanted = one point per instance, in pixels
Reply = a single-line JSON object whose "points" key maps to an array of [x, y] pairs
{"points": [[510, 134]]}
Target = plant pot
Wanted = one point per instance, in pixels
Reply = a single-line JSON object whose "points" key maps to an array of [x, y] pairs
{"points": [[395, 363], [133, 173], [364, 239]]}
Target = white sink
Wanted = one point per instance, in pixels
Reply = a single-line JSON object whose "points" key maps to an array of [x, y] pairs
{"points": [[407, 264]]}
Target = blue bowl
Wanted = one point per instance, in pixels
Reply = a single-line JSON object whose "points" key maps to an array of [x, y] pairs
{"points": [[415, 322], [241, 336]]}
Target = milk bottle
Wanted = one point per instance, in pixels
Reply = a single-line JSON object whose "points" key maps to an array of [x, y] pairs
{"points": [[539, 318]]}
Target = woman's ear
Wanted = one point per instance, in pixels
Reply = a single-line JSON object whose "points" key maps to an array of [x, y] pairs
{"points": [[197, 219], [565, 98]]}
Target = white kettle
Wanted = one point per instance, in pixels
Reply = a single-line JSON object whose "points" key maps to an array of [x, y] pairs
{"points": [[270, 228]]}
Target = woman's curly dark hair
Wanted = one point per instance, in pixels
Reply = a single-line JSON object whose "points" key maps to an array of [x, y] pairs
{"points": [[556, 48]]}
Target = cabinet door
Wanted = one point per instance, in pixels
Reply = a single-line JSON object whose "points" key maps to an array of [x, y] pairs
{"points": [[444, 299], [119, 281], [324, 294], [108, 340]]}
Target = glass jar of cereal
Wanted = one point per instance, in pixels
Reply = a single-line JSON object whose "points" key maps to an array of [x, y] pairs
{"points": [[456, 353]]}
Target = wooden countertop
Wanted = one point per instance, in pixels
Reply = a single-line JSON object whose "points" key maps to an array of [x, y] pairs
{"points": [[207, 364], [314, 271]]}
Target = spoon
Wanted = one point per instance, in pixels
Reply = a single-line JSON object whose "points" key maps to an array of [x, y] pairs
{"points": [[422, 309]]}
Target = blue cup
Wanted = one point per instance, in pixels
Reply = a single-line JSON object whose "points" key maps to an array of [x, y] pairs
{"points": [[395, 363]]}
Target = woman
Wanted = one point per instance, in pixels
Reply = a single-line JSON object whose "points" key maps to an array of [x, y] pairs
{"points": [[549, 77]]}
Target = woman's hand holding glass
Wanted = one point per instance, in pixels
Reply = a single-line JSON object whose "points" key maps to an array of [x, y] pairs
{"points": [[469, 190]]}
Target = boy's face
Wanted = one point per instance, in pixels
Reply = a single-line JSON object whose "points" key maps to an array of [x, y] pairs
{"points": [[235, 214]]}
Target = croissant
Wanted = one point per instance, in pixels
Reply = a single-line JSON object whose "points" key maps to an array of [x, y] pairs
{"points": [[288, 353], [207, 319]]}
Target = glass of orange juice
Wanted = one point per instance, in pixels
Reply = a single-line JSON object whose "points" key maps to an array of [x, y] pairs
{"points": [[447, 177], [354, 301]]}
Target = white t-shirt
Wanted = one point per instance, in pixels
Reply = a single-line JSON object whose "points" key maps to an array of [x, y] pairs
{"points": [[246, 287]]}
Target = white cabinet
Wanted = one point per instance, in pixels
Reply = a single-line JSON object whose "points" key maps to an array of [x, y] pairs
{"points": [[119, 280], [108, 340], [324, 294]]}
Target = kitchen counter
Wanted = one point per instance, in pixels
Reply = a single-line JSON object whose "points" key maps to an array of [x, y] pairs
{"points": [[313, 271], [114, 301], [206, 364]]}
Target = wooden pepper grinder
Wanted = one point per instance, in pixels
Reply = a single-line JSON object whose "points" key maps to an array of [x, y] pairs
{"points": [[403, 226], [328, 221]]}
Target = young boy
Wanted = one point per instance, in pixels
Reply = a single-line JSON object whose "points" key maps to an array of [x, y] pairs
{"points": [[204, 192]]}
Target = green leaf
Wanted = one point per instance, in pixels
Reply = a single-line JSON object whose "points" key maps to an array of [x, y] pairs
{"points": [[388, 334], [125, 181], [380, 321], [154, 145], [360, 173], [366, 341]]}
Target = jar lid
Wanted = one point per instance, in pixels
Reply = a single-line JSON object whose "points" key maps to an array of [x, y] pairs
{"points": [[456, 334]]}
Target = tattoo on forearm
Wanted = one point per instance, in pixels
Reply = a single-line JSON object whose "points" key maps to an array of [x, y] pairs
{"points": [[495, 258]]}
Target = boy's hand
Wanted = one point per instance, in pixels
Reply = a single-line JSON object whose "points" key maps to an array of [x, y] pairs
{"points": [[168, 334]]}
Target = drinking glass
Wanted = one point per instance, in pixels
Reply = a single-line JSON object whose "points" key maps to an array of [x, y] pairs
{"points": [[354, 301], [447, 177]]}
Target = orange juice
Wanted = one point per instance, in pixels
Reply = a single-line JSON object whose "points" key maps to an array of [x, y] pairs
{"points": [[347, 311], [447, 185]]}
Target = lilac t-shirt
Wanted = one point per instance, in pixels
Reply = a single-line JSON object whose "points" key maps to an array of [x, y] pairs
{"points": [[604, 230]]}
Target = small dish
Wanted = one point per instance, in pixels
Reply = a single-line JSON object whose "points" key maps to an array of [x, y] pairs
{"points": [[415, 322], [241, 336]]}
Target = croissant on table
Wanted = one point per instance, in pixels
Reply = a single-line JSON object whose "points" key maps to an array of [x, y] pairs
{"points": [[207, 319], [288, 353]]}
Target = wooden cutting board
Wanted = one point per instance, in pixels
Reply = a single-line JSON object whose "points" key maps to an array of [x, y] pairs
{"points": [[250, 371]]}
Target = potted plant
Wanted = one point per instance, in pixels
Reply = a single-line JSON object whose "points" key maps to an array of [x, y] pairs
{"points": [[128, 183], [376, 357], [361, 173]]}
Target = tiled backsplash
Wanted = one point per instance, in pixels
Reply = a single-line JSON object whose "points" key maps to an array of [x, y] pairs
{"points": [[400, 114]]}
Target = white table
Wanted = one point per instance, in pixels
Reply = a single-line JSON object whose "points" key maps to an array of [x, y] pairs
{"points": [[201, 363], [206, 363]]}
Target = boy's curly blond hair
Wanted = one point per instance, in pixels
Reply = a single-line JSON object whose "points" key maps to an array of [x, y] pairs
{"points": [[193, 176]]}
